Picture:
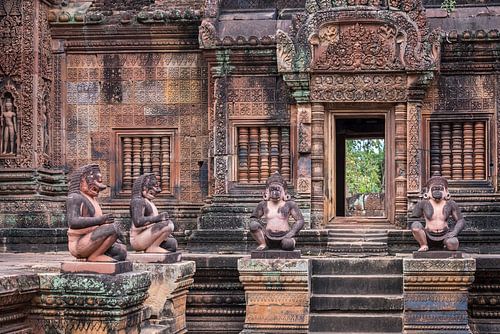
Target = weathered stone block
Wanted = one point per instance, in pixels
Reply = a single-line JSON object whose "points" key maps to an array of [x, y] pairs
{"points": [[16, 291], [435, 294], [107, 268], [89, 303], [164, 258], [277, 295], [167, 294]]}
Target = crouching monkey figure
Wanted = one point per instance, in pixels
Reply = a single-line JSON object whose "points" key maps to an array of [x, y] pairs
{"points": [[269, 225], [437, 208], [92, 235], [151, 231]]}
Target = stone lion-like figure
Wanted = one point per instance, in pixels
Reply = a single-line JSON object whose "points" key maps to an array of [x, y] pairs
{"points": [[150, 231], [92, 235], [437, 208], [269, 225]]}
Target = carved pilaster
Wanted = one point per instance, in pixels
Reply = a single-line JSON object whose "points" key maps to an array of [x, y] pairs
{"points": [[317, 164], [304, 119], [414, 147], [220, 135], [435, 295], [277, 295], [400, 163]]}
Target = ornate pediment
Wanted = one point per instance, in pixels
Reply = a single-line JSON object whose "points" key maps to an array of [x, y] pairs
{"points": [[359, 35]]}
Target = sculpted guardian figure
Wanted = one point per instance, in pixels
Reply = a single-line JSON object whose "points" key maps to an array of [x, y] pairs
{"points": [[437, 208], [151, 231], [269, 225], [8, 124], [92, 235]]}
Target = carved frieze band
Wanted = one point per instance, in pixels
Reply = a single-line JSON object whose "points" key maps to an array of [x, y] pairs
{"points": [[414, 147], [359, 88]]}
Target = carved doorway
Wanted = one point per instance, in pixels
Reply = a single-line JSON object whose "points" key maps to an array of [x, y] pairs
{"points": [[359, 182]]}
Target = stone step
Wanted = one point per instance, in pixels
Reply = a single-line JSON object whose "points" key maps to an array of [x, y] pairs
{"points": [[357, 266], [357, 284], [328, 302], [341, 237], [332, 322]]}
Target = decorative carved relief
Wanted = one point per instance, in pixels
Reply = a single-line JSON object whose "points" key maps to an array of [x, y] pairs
{"points": [[359, 88], [285, 51], [359, 47], [207, 35], [414, 149], [138, 91]]}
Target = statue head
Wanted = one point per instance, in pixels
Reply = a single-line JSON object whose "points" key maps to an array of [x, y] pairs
{"points": [[146, 186], [437, 189], [276, 188], [8, 102], [88, 180]]}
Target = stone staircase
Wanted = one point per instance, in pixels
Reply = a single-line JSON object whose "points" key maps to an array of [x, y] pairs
{"points": [[357, 295], [357, 241]]}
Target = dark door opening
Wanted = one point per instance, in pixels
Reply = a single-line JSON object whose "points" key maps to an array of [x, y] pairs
{"points": [[360, 167]]}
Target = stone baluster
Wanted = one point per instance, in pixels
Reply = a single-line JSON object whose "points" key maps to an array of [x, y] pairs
{"points": [[285, 153], [435, 149], [468, 151], [243, 155], [253, 172], [165, 164], [136, 157], [146, 155], [127, 164], [264, 154], [456, 150], [446, 150], [275, 149], [155, 156], [479, 151]]}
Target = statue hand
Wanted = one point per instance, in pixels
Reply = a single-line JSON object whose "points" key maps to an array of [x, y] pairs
{"points": [[163, 216], [108, 218]]}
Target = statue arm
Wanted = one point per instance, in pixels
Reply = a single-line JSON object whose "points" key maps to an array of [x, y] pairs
{"points": [[75, 220], [138, 217], [299, 220], [459, 219], [258, 212]]}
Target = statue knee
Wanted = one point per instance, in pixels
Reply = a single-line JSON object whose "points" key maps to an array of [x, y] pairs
{"points": [[170, 244], [451, 244], [254, 226], [288, 244], [416, 227]]}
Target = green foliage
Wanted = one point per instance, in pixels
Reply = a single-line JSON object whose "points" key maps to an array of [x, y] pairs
{"points": [[364, 166], [449, 5]]}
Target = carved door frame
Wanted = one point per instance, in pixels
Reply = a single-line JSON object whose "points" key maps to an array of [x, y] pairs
{"points": [[331, 113]]}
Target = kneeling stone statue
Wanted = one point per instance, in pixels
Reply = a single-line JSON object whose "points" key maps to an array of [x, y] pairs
{"points": [[437, 208], [269, 221], [92, 235], [151, 231]]}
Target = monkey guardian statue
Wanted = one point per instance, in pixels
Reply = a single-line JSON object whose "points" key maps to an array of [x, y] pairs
{"points": [[437, 208], [150, 231], [269, 225], [91, 235]]}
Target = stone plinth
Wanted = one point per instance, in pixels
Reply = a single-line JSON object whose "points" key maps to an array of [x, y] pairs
{"points": [[90, 303], [277, 293], [16, 291], [137, 257], [106, 268], [167, 294], [484, 296], [275, 254], [435, 295]]}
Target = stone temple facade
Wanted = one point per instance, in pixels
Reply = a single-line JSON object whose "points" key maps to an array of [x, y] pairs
{"points": [[213, 96]]}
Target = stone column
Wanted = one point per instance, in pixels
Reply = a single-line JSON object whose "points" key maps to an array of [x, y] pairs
{"points": [[166, 302], [277, 293], [317, 164], [89, 303], [435, 295]]}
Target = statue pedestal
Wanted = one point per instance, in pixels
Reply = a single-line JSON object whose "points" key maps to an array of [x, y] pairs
{"points": [[171, 257], [436, 295], [167, 295], [277, 295], [89, 303], [275, 254], [106, 268]]}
